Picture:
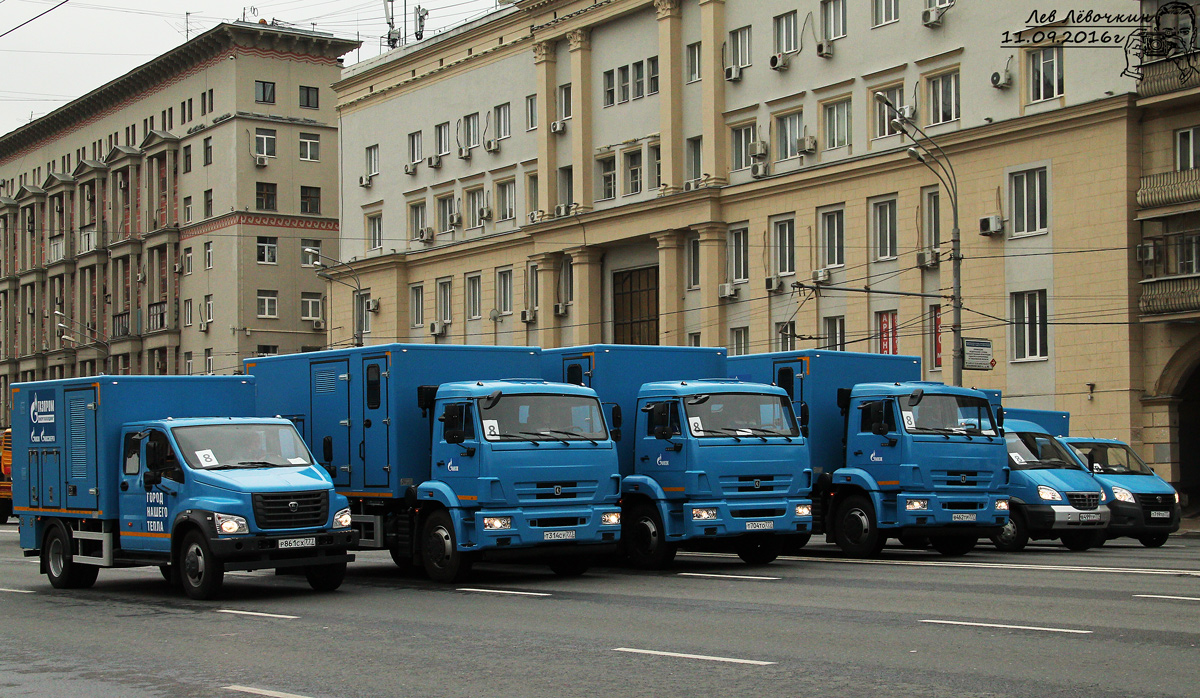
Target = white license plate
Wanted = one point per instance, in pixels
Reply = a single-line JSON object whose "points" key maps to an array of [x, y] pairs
{"points": [[962, 517], [1160, 514], [298, 543], [760, 525], [558, 535], [1089, 518]]}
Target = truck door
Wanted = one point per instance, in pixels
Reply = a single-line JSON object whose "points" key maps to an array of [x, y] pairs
{"points": [[376, 425], [454, 463], [877, 454], [81, 449], [658, 457], [151, 479], [35, 478], [51, 479], [578, 370], [331, 418]]}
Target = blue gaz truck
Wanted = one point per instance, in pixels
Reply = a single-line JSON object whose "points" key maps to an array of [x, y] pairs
{"points": [[708, 459], [173, 471], [452, 453], [893, 456]]}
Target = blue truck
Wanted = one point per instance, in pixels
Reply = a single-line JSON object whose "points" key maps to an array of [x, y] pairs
{"points": [[446, 458], [893, 456], [1141, 504], [173, 471], [709, 459]]}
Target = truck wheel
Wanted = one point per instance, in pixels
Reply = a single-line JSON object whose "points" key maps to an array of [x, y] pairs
{"points": [[1079, 540], [953, 545], [325, 577], [758, 550], [199, 571], [1154, 540], [439, 550], [793, 544], [570, 566], [402, 558], [61, 568], [1014, 536], [170, 573], [644, 538], [857, 532], [915, 542]]}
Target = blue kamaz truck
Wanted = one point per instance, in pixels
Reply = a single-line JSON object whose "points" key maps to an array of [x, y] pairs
{"points": [[452, 453], [708, 459], [894, 457], [173, 471]]}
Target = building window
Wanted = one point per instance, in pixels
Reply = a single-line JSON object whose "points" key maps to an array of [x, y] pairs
{"points": [[743, 139], [885, 223], [633, 172], [652, 75], [886, 11], [474, 284], [693, 262], [187, 260], [693, 339], [790, 128], [268, 350], [695, 158], [833, 237], [310, 200], [833, 18], [1045, 73], [310, 147], [187, 312], [739, 341], [608, 178], [639, 80], [566, 281], [416, 219], [187, 363], [264, 92], [785, 33], [187, 159], [208, 361], [943, 98], [208, 255], [415, 154], [208, 308], [307, 258], [264, 142], [889, 334], [362, 304], [375, 232], [504, 291], [935, 336], [884, 115], [441, 136], [933, 218], [309, 97], [610, 88], [416, 305], [445, 298], [837, 124], [266, 196], [1030, 332], [503, 120], [310, 306], [656, 166], [208, 151], [739, 254], [372, 160], [506, 200], [785, 334], [208, 203], [835, 333], [445, 205], [785, 246], [187, 209], [564, 101], [475, 205], [693, 62], [1187, 148], [471, 130], [1030, 202], [531, 115], [623, 84], [268, 304], [268, 250], [740, 53], [531, 287]]}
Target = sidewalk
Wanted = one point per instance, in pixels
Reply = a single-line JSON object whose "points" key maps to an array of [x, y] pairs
{"points": [[1189, 525]]}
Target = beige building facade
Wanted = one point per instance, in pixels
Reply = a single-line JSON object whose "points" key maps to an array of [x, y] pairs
{"points": [[157, 224], [709, 171]]}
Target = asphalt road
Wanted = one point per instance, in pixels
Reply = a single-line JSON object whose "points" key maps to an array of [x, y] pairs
{"points": [[1118, 621]]}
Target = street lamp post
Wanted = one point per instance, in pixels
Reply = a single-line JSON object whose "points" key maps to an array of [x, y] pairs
{"points": [[83, 330], [354, 309]]}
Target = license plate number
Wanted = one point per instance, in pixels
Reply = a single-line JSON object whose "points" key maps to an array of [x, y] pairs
{"points": [[760, 525], [298, 543], [1160, 514], [962, 517], [558, 535], [1089, 518]]}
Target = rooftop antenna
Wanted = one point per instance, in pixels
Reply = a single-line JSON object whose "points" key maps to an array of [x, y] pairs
{"points": [[419, 15], [393, 35]]}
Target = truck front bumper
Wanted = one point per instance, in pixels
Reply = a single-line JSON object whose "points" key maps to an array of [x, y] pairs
{"points": [[950, 511], [1064, 517], [257, 552], [537, 526], [745, 516], [1128, 519]]}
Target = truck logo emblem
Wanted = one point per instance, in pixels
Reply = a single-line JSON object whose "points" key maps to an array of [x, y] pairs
{"points": [[964, 478], [557, 490], [661, 461], [875, 458], [293, 507], [757, 484]]}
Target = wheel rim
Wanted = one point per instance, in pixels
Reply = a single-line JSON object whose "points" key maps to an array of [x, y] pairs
{"points": [[1009, 533], [56, 558], [647, 538], [194, 564], [440, 546], [856, 525]]}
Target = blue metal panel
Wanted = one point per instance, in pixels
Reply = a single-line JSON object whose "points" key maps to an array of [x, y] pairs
{"points": [[373, 428], [331, 418], [52, 478], [81, 449]]}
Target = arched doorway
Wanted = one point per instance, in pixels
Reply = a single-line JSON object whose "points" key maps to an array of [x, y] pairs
{"points": [[1188, 409]]}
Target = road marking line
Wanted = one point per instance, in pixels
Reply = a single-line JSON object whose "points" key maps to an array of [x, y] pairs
{"points": [[705, 657], [1008, 627], [263, 692], [503, 591], [726, 576], [19, 591], [1140, 596], [255, 613]]}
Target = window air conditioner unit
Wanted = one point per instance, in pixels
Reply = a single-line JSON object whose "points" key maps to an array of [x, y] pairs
{"points": [[455, 219], [758, 149], [908, 112], [177, 268], [485, 213], [122, 184], [806, 144], [733, 73], [1002, 79], [464, 153], [825, 49], [991, 225], [1145, 252], [820, 276], [931, 17], [774, 283], [759, 170], [372, 305], [562, 210], [426, 234], [204, 326], [535, 216], [260, 160], [491, 145], [141, 277], [364, 181], [727, 291], [318, 324], [692, 185], [410, 168], [558, 127], [927, 259], [528, 315], [433, 161], [779, 62], [437, 329], [58, 207], [560, 309]]}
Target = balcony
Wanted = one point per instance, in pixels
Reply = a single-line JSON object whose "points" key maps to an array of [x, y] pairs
{"points": [[1169, 188], [120, 325], [1168, 75], [1171, 264], [157, 319]]}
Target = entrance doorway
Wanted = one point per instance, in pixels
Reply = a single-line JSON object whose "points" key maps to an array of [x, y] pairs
{"points": [[635, 306], [1189, 436]]}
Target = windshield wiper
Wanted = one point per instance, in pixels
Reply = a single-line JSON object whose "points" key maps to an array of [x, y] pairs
{"points": [[510, 435], [262, 463], [547, 432], [572, 433], [764, 433], [724, 431]]}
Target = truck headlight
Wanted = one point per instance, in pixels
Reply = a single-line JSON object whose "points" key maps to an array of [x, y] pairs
{"points": [[1049, 494], [1103, 496], [803, 510], [916, 504], [1176, 497], [1001, 505], [229, 524], [610, 518], [342, 519], [706, 514], [497, 523], [1123, 495]]}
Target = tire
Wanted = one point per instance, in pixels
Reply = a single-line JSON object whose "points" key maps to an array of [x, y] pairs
{"points": [[1014, 536], [570, 566], [200, 573], [793, 544], [1078, 541], [757, 549], [325, 577], [402, 558], [857, 530], [1154, 540], [61, 568], [914, 542], [169, 573], [953, 546], [442, 560], [643, 534]]}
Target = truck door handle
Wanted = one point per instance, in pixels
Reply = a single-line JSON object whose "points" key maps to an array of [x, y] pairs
{"points": [[441, 463], [858, 453], [645, 458], [344, 467], [362, 450]]}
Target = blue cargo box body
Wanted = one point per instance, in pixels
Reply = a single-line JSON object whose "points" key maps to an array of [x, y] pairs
{"points": [[1055, 422]]}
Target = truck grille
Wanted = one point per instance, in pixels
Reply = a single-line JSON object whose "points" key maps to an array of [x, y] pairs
{"points": [[755, 485], [960, 478], [542, 492], [1153, 499], [275, 510], [962, 506], [1084, 500], [756, 513]]}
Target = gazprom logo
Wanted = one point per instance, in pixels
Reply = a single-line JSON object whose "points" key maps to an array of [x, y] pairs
{"points": [[41, 416]]}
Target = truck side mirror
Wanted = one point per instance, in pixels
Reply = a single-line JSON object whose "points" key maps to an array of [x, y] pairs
{"points": [[616, 435], [915, 398], [426, 396], [804, 419], [327, 450], [455, 436], [616, 417], [151, 478], [662, 431], [492, 399], [878, 418], [999, 416]]}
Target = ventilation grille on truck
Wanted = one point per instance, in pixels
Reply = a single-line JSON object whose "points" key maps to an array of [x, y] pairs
{"points": [[560, 490], [291, 509], [1084, 500]]}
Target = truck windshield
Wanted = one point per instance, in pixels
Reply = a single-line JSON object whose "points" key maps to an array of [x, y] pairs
{"points": [[214, 446], [740, 414], [541, 417], [1032, 451], [1110, 459], [948, 414]]}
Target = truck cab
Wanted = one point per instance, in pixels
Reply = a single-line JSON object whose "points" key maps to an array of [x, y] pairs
{"points": [[1141, 504]]}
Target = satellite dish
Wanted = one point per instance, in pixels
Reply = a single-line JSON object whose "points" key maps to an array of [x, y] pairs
{"points": [[494, 315]]}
